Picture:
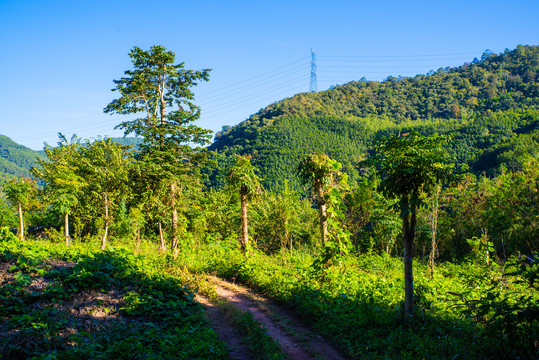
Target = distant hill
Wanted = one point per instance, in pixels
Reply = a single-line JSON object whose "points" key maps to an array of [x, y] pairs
{"points": [[490, 106], [15, 160], [133, 141]]}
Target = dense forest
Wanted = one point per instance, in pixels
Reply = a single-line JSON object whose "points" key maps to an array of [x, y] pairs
{"points": [[321, 202]]}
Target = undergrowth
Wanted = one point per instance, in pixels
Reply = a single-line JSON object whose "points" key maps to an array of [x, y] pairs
{"points": [[60, 302], [79, 302], [465, 312]]}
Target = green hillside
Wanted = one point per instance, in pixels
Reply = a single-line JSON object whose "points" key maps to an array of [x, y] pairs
{"points": [[15, 160], [489, 106], [128, 141]]}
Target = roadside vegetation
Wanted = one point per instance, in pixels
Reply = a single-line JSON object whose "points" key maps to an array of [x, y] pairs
{"points": [[466, 311]]}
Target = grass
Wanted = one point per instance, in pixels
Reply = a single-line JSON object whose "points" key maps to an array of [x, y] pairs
{"points": [[260, 343]]}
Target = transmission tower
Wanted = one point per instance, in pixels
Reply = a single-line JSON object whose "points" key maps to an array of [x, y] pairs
{"points": [[313, 87]]}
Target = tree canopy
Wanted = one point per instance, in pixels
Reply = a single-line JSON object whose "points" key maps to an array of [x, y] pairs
{"points": [[161, 90]]}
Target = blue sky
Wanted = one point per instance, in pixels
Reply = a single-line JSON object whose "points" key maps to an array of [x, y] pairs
{"points": [[58, 58]]}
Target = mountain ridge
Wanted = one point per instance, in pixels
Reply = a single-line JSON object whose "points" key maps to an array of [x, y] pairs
{"points": [[489, 105]]}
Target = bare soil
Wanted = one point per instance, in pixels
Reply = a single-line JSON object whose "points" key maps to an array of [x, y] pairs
{"points": [[225, 330]]}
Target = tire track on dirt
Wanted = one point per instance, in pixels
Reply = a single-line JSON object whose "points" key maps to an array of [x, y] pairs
{"points": [[225, 330], [295, 339]]}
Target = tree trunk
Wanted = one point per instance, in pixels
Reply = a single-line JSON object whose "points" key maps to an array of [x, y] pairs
{"points": [[287, 237], [244, 223], [434, 229], [66, 229], [104, 239], [408, 230], [484, 241], [163, 245], [174, 220], [21, 223], [322, 208], [137, 238], [503, 249], [162, 107]]}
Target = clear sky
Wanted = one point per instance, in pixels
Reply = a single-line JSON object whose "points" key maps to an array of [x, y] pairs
{"points": [[58, 58]]}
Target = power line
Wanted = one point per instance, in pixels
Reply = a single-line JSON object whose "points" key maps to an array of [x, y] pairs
{"points": [[275, 83], [90, 127], [246, 88], [227, 88], [390, 60], [256, 95], [395, 56], [244, 106]]}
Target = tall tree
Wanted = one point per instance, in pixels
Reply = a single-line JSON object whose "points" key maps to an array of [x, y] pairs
{"points": [[19, 192], [410, 164], [242, 177], [161, 90]]}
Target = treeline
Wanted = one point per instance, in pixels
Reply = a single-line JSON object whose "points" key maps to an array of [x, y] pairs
{"points": [[100, 190], [182, 195], [16, 160]]}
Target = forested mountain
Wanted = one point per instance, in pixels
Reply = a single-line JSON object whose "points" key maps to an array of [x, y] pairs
{"points": [[490, 106], [15, 160]]}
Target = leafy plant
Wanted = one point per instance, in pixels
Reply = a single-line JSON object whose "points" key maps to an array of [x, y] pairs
{"points": [[410, 164], [6, 235], [482, 248]]}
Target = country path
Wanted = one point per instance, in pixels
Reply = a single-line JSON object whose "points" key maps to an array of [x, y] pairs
{"points": [[295, 339]]}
